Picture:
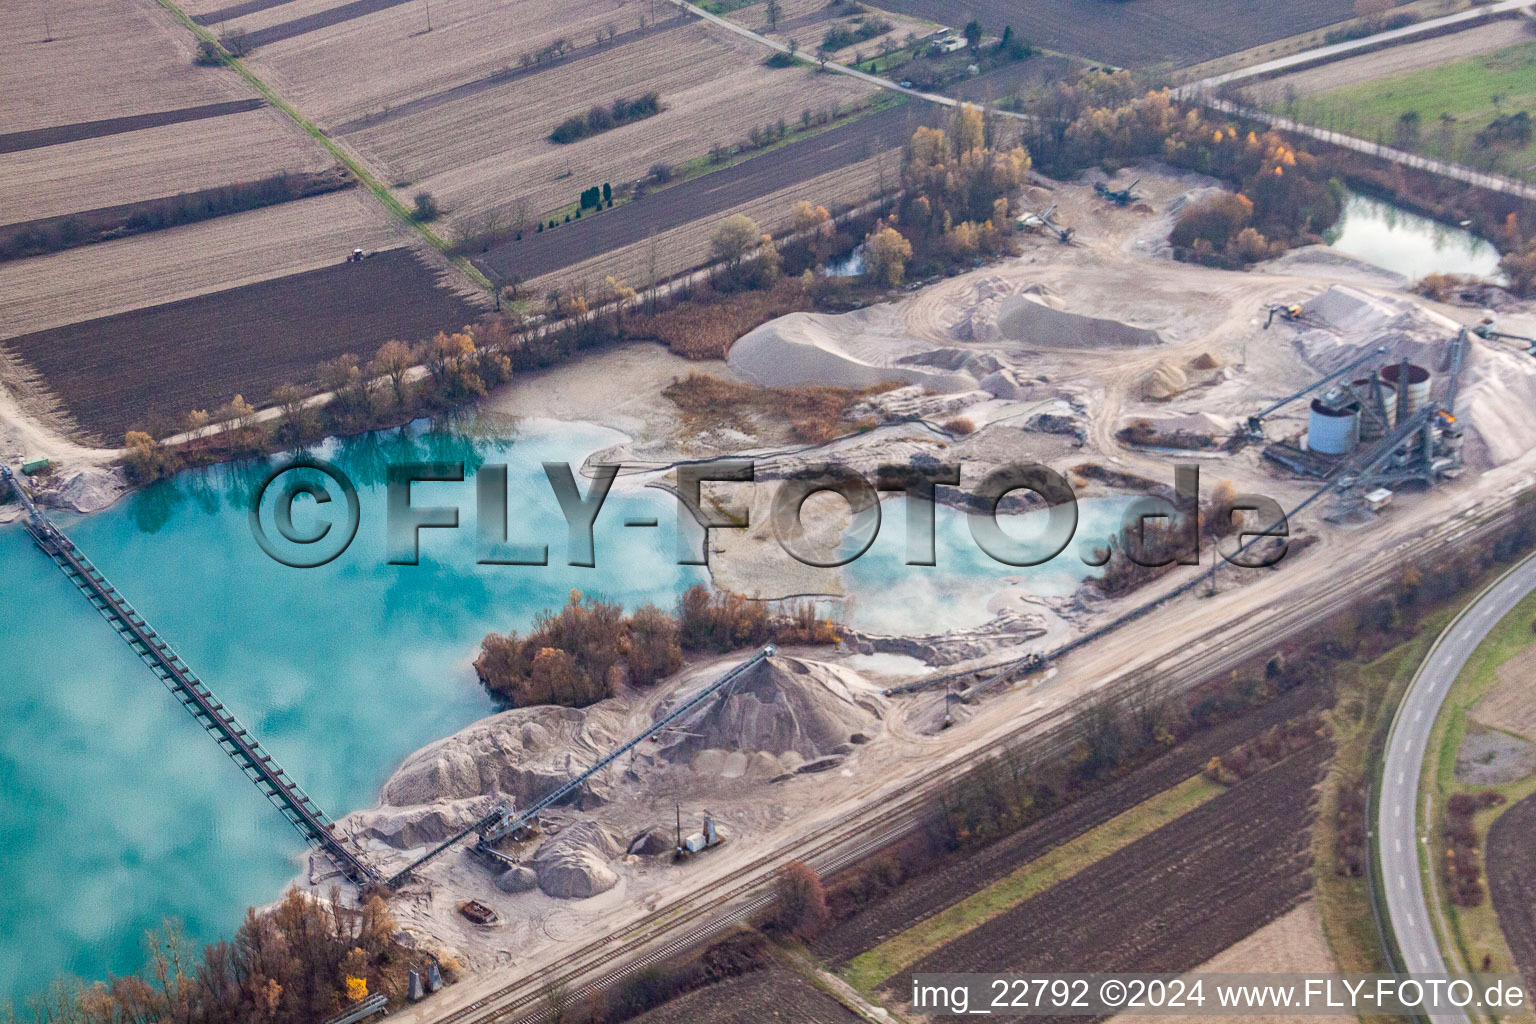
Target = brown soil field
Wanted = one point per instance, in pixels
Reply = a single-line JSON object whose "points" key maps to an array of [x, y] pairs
{"points": [[1291, 944], [1511, 862], [1394, 59], [491, 149], [372, 63], [926, 896], [114, 373], [1145, 33], [1511, 704], [798, 21], [34, 138], [214, 12], [164, 266], [775, 994], [1169, 901], [836, 167], [153, 163], [106, 60], [501, 77], [687, 247]]}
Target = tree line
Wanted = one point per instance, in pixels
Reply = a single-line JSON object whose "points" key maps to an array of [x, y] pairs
{"points": [[589, 649], [301, 962]]}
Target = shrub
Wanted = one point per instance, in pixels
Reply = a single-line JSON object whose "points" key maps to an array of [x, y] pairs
{"points": [[620, 112], [959, 425], [800, 906], [425, 207]]}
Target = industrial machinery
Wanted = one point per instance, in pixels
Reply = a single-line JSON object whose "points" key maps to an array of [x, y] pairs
{"points": [[1485, 330], [1119, 196], [1254, 429], [696, 842], [1035, 221], [501, 821]]}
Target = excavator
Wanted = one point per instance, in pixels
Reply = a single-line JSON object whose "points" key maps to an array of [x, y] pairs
{"points": [[1119, 196], [1485, 330]]}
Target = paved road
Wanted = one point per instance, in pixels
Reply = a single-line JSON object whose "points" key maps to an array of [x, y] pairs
{"points": [[1337, 51], [545, 252], [1397, 815]]}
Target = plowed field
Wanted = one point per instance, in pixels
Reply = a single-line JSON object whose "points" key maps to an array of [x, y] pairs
{"points": [[923, 897], [1512, 883], [1167, 902], [116, 372]]}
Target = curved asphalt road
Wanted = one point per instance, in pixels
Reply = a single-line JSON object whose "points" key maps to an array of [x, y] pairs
{"points": [[1406, 748]]}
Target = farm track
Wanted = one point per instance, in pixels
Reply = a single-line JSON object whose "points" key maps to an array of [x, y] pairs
{"points": [[923, 897], [1199, 658], [36, 138], [1511, 863], [546, 252], [324, 19], [1148, 32], [1169, 901], [500, 78], [115, 372]]}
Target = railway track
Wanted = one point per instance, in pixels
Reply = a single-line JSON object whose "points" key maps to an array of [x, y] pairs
{"points": [[832, 846]]}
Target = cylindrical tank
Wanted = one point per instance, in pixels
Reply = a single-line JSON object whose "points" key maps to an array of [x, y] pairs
{"points": [[1416, 384], [1367, 389], [1333, 429]]}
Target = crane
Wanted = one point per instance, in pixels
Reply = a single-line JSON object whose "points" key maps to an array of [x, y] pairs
{"points": [[502, 821], [1255, 427]]}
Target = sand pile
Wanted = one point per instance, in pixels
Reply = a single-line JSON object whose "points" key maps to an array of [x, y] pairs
{"points": [[782, 706], [855, 350], [521, 754], [1034, 324], [574, 864], [518, 879], [1165, 380], [414, 827], [986, 307], [1192, 423]]}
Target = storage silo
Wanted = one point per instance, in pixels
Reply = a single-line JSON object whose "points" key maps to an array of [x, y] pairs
{"points": [[1412, 384], [1333, 428], [1378, 408]]}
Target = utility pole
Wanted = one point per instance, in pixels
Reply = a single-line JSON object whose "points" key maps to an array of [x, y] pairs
{"points": [[47, 28], [428, 5]]}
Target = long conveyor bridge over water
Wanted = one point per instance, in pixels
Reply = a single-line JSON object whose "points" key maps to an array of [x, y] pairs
{"points": [[237, 741]]}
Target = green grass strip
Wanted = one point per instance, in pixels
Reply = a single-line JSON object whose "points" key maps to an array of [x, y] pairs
{"points": [[869, 969], [378, 188]]}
